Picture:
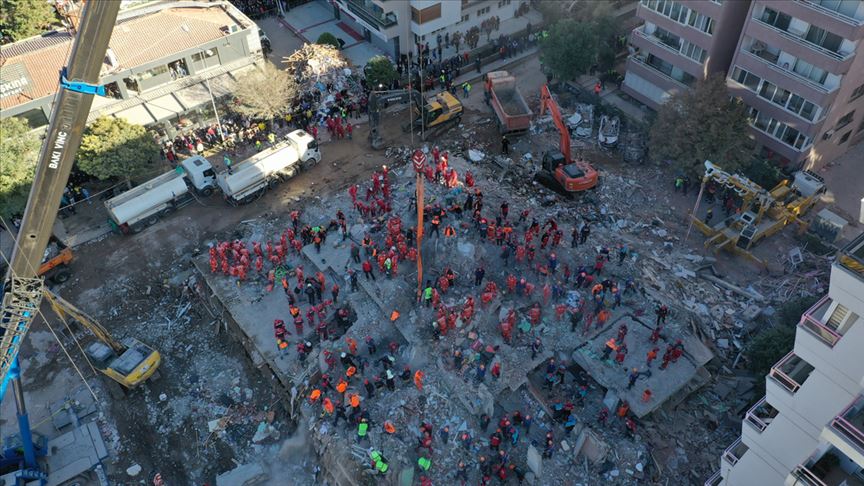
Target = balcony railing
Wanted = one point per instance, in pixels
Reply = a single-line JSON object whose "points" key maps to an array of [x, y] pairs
{"points": [[851, 257], [656, 40], [850, 422], [714, 480], [788, 72], [661, 73], [735, 452], [804, 42], [373, 18], [785, 371], [807, 477], [815, 326], [760, 415], [831, 13]]}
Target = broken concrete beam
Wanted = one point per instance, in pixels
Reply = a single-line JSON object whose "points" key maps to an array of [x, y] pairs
{"points": [[535, 461], [734, 288], [245, 475]]}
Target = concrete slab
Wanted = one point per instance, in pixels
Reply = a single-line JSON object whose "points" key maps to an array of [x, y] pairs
{"points": [[662, 383]]}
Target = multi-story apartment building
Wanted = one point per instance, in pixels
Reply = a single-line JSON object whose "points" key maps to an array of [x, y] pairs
{"points": [[680, 43], [808, 430], [799, 66], [396, 26], [163, 62]]}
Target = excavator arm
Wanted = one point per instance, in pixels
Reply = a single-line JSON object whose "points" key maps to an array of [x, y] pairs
{"points": [[547, 103], [379, 100]]}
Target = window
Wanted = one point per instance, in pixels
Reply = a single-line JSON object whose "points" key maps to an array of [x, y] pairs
{"points": [[483, 11], [465, 18], [843, 7], [809, 71], [778, 130], [428, 14], [772, 93], [844, 138], [847, 119], [205, 59], [681, 14], [775, 18], [152, 73], [693, 51], [35, 118], [668, 38], [824, 39], [859, 91], [746, 78]]}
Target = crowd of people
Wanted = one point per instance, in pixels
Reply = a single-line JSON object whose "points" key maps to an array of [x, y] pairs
{"points": [[528, 252]]}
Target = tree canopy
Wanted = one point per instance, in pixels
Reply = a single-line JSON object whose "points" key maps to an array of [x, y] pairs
{"points": [[328, 39], [113, 147], [570, 48], [19, 149], [699, 124], [380, 70], [20, 19], [266, 93]]}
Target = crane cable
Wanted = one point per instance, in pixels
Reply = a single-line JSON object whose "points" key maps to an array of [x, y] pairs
{"points": [[39, 312]]}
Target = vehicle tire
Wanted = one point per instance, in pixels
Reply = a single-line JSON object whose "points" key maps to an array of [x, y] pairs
{"points": [[61, 276], [272, 183], [207, 192], [152, 220], [136, 228]]}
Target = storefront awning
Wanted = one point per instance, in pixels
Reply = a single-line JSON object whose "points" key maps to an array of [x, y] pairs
{"points": [[137, 115], [193, 96], [164, 107]]}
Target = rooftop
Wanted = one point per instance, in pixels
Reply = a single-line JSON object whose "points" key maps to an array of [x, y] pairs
{"points": [[31, 67], [851, 257]]}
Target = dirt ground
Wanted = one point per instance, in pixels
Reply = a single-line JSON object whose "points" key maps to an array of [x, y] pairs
{"points": [[134, 284]]}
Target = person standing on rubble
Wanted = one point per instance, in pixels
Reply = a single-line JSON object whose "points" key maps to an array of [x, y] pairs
{"points": [[662, 311], [505, 145]]}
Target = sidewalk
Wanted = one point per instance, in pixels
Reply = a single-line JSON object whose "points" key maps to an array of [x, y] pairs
{"points": [[312, 19]]}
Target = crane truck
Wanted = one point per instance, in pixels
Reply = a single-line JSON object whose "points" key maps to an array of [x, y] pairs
{"points": [[514, 114], [76, 453]]}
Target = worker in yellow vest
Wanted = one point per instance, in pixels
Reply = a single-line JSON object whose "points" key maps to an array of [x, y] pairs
{"points": [[379, 462], [425, 463]]}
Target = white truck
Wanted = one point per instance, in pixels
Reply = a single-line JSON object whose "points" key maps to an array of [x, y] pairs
{"points": [[143, 205], [252, 177]]}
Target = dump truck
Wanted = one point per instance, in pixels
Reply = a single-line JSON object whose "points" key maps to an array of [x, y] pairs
{"points": [[143, 205], [514, 115], [249, 179]]}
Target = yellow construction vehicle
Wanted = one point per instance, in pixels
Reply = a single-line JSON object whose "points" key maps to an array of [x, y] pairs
{"points": [[429, 117], [762, 213], [128, 363]]}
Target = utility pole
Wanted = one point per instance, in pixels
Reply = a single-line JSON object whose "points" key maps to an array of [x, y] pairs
{"points": [[215, 111], [65, 130]]}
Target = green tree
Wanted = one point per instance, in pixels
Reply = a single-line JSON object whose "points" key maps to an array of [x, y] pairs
{"points": [[19, 149], [569, 50], [605, 31], [767, 347], [763, 172], [328, 39], [113, 147], [380, 70], [266, 93], [20, 19], [699, 124]]}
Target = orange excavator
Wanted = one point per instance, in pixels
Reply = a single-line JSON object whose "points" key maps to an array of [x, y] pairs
{"points": [[559, 171]]}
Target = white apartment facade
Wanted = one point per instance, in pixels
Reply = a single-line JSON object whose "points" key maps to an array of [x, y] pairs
{"points": [[808, 430], [396, 26]]}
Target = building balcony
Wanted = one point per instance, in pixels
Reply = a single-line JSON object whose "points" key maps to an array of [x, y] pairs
{"points": [[668, 44], [819, 323], [851, 257], [791, 372], [760, 415], [835, 62], [715, 480], [828, 467], [371, 13], [855, 20], [735, 452], [849, 424], [771, 61], [658, 70]]}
